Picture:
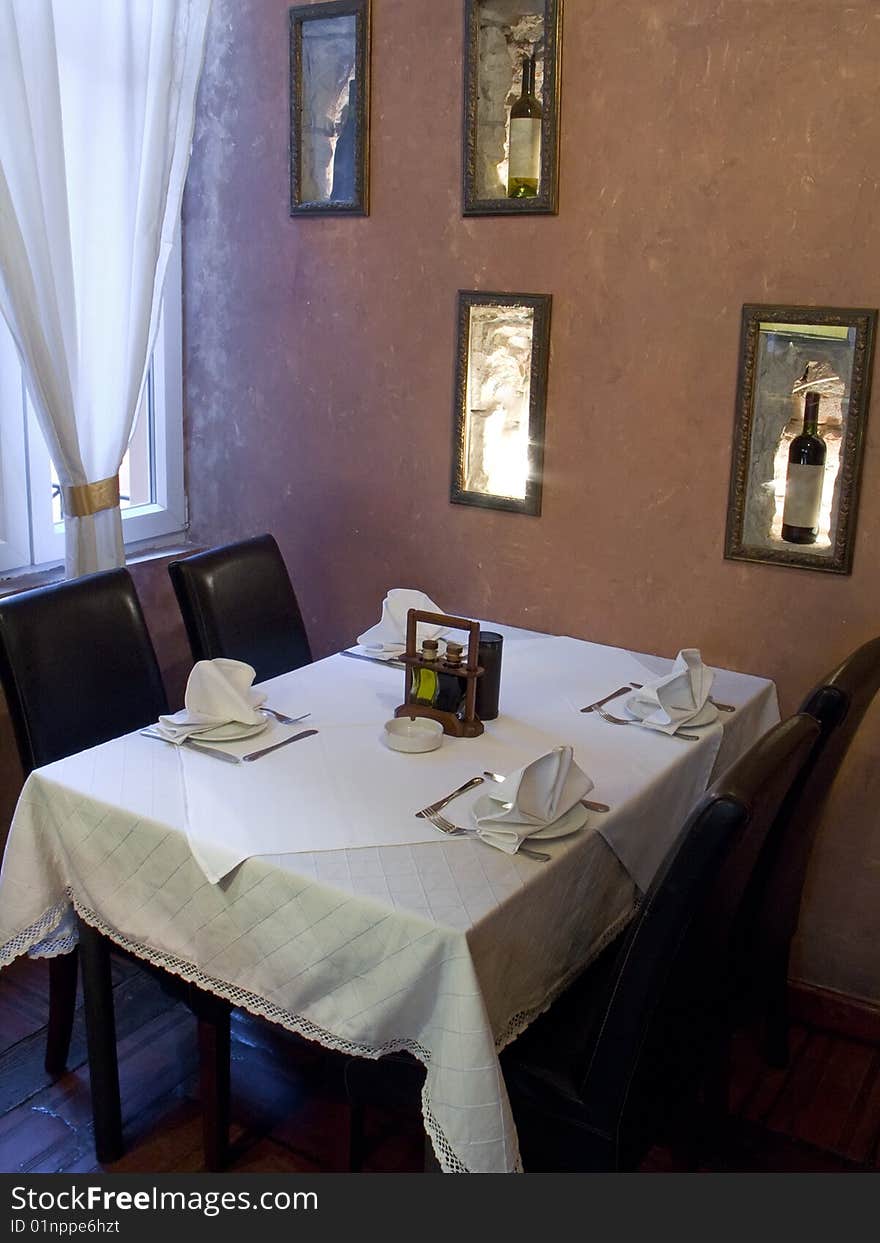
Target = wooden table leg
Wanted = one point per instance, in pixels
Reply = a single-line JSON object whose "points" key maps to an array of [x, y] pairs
{"points": [[101, 1038], [213, 1016], [63, 974]]}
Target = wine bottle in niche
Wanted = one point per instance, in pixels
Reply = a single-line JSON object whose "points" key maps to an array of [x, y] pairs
{"points": [[806, 475], [524, 163]]}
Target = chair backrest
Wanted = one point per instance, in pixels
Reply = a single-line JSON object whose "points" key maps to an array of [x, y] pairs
{"points": [[237, 601], [671, 990], [838, 702], [77, 665]]}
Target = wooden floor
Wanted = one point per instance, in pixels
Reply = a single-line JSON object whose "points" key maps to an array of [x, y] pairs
{"points": [[289, 1111]]}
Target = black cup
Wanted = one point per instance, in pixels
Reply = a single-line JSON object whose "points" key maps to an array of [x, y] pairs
{"points": [[489, 684]]}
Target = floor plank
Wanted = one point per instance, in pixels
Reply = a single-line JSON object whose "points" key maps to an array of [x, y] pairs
{"points": [[820, 1114]]}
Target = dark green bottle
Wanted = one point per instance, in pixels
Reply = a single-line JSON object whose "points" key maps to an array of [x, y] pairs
{"points": [[805, 479]]}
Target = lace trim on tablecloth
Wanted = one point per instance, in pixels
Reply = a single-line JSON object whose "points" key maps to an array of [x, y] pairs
{"points": [[51, 935], [242, 999], [66, 940]]}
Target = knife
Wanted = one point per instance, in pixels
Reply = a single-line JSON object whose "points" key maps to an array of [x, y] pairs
{"points": [[621, 690], [255, 755], [193, 746], [374, 660]]}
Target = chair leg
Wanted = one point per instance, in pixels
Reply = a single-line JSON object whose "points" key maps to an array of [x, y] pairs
{"points": [[101, 1038], [63, 973], [775, 1005], [355, 1137], [214, 1053]]}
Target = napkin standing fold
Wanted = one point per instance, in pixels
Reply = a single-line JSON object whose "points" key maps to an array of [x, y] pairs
{"points": [[533, 798], [388, 636], [669, 702], [218, 692]]}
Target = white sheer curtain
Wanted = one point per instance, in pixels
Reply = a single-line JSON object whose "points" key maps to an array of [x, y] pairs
{"points": [[97, 106]]}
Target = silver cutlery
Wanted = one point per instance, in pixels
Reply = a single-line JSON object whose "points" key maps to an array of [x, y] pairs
{"points": [[721, 707], [588, 803], [374, 660], [204, 749], [456, 830], [621, 690], [281, 718], [616, 720], [256, 755], [426, 812], [229, 758]]}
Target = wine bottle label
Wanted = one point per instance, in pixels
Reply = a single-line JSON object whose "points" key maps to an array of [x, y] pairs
{"points": [[525, 149], [803, 495]]}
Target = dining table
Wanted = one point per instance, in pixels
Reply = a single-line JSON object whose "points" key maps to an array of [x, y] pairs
{"points": [[302, 887]]}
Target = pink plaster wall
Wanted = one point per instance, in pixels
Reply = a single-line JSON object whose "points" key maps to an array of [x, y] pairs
{"points": [[714, 152]]}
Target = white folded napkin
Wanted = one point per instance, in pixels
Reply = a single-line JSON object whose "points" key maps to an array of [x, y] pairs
{"points": [[388, 636], [671, 701], [532, 798], [218, 692]]}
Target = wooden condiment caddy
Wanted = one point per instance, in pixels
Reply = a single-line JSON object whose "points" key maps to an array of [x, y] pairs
{"points": [[468, 724]]}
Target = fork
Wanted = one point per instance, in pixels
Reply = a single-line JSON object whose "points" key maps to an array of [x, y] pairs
{"points": [[616, 720], [280, 717], [456, 830], [426, 812]]}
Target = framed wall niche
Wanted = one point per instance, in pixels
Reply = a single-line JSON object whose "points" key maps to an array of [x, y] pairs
{"points": [[802, 401], [330, 108], [502, 360], [500, 35]]}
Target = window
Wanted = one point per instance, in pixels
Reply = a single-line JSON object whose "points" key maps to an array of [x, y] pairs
{"points": [[151, 477]]}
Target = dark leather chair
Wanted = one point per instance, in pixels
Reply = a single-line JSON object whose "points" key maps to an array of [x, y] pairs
{"points": [[78, 668], [70, 683], [593, 1081], [838, 703], [237, 601]]}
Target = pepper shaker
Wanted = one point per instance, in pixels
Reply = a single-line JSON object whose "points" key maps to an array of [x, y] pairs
{"points": [[489, 685]]}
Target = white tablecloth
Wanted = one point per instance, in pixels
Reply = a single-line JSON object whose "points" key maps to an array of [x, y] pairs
{"points": [[446, 948]]}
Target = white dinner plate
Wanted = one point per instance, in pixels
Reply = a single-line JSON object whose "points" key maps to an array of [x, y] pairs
{"points": [[707, 714], [570, 822], [231, 732]]}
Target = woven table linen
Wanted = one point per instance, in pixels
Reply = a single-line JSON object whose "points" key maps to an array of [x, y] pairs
{"points": [[440, 946]]}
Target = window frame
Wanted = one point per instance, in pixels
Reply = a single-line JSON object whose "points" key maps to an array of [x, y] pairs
{"points": [[27, 519]]}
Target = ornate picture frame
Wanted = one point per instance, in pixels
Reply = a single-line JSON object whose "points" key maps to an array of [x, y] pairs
{"points": [[330, 108], [523, 26], [802, 400], [502, 363]]}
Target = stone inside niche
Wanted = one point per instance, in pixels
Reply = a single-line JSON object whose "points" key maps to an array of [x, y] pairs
{"points": [[498, 400], [329, 49], [509, 30]]}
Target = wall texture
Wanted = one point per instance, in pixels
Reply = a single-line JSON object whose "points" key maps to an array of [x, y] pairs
{"points": [[714, 152]]}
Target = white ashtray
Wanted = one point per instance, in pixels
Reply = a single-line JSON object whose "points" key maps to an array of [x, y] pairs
{"points": [[408, 733]]}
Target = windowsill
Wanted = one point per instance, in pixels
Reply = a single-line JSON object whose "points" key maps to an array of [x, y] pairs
{"points": [[45, 575]]}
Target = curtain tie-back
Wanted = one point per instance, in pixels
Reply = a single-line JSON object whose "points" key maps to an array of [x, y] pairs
{"points": [[90, 498]]}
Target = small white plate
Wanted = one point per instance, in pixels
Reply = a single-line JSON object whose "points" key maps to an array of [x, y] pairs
{"points": [[707, 714], [231, 732], [575, 818]]}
